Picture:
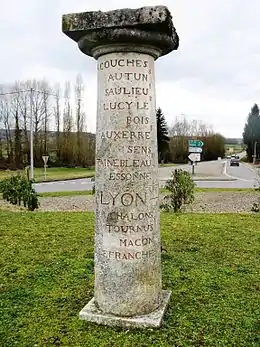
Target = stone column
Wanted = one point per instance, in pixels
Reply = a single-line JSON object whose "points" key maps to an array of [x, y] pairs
{"points": [[128, 288]]}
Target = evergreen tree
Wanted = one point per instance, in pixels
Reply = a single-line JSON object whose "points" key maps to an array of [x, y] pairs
{"points": [[251, 132], [162, 135]]}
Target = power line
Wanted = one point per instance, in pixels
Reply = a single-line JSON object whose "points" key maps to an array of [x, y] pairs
{"points": [[27, 90], [34, 90], [15, 92]]}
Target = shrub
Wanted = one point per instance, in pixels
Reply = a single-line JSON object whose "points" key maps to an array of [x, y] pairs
{"points": [[17, 190], [256, 207], [244, 159], [181, 188]]}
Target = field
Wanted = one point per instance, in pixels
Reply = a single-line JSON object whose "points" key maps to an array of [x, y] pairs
{"points": [[233, 148], [54, 174], [211, 265]]}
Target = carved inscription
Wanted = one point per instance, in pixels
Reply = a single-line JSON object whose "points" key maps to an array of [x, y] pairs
{"points": [[126, 91], [123, 199], [128, 76], [126, 134], [110, 63], [127, 95], [127, 255], [139, 149], [137, 120], [144, 241], [118, 216], [129, 176], [116, 163], [130, 229], [125, 105]]}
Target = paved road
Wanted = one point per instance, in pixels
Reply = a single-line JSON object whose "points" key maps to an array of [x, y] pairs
{"points": [[215, 174], [242, 172], [246, 176], [62, 186], [209, 168], [242, 176]]}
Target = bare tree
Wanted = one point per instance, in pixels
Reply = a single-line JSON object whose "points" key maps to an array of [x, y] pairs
{"points": [[39, 115], [1, 121], [71, 144], [14, 107], [80, 115], [8, 123], [182, 130], [57, 115], [67, 148], [46, 117], [24, 117]]}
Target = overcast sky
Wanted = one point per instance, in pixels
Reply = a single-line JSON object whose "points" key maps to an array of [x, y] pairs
{"points": [[214, 76]]}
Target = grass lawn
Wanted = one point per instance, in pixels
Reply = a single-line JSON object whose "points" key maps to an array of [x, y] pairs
{"points": [[66, 193], [212, 267], [54, 174]]}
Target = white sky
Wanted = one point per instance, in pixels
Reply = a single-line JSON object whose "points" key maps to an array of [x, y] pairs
{"points": [[213, 77]]}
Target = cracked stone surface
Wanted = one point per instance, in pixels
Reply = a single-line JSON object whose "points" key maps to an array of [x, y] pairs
{"points": [[146, 25]]}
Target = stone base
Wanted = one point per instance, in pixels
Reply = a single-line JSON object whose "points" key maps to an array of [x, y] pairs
{"points": [[154, 319]]}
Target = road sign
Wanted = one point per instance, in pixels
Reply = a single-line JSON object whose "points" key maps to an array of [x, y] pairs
{"points": [[195, 150], [45, 159], [196, 143], [194, 157]]}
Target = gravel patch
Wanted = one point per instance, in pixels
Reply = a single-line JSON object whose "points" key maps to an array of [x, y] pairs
{"points": [[223, 202], [209, 202], [205, 202], [68, 203]]}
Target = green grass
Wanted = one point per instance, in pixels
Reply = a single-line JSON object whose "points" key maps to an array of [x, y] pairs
{"points": [[66, 193], [211, 265], [54, 174]]}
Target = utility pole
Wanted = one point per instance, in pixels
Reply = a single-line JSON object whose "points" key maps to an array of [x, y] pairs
{"points": [[31, 133], [193, 168], [45, 122]]}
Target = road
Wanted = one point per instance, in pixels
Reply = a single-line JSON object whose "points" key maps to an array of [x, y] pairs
{"points": [[214, 174], [243, 176]]}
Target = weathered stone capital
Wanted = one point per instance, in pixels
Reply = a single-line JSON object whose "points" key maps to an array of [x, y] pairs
{"points": [[147, 29]]}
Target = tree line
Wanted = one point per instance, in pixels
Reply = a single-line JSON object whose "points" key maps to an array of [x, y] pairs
{"points": [[251, 134], [173, 140], [56, 115], [58, 122]]}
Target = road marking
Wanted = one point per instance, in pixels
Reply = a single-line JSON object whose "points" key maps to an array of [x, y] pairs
{"points": [[237, 178], [251, 168]]}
